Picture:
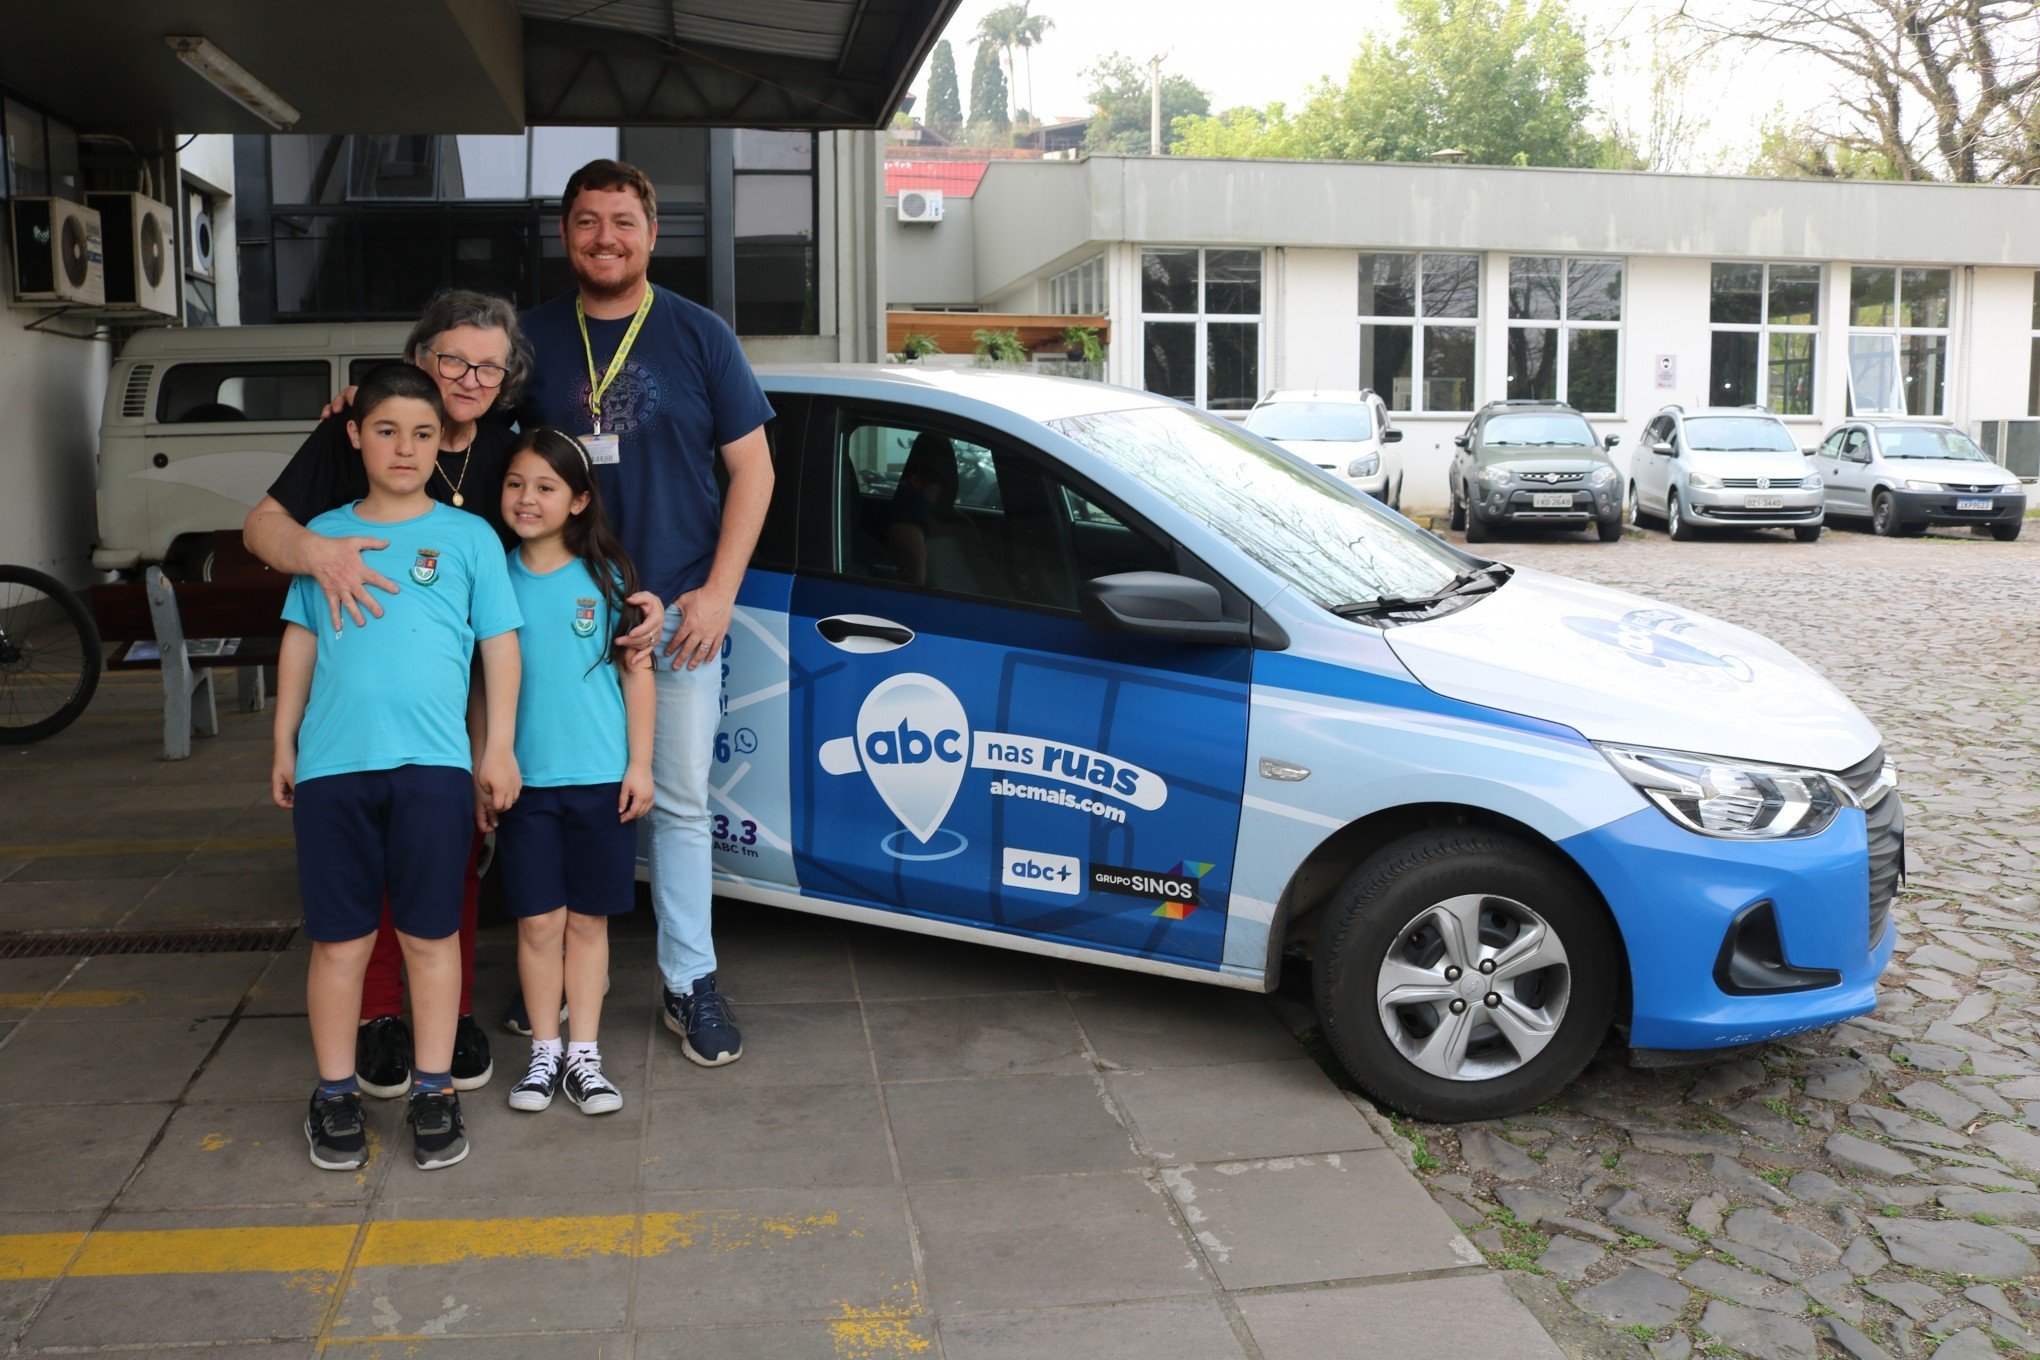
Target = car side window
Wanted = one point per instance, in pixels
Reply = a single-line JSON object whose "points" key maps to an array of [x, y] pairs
{"points": [[1856, 447], [925, 507], [1831, 447]]}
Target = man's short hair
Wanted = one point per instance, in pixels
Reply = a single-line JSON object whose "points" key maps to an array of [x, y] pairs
{"points": [[386, 382], [608, 174]]}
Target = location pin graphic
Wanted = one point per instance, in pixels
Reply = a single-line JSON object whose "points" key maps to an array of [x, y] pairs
{"points": [[913, 740]]}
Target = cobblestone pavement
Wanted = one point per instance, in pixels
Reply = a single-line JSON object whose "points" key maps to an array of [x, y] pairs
{"points": [[1870, 1190]]}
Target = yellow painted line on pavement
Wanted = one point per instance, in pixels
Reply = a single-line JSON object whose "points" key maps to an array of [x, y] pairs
{"points": [[184, 846], [84, 998]]}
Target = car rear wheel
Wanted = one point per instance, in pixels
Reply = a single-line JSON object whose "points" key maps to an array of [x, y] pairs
{"points": [[2005, 533], [1465, 974], [1884, 520], [1675, 519]]}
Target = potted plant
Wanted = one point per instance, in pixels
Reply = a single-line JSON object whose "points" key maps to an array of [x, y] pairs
{"points": [[1081, 344], [999, 346], [917, 344]]}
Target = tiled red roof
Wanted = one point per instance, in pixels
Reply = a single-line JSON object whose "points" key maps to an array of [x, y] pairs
{"points": [[957, 179]]}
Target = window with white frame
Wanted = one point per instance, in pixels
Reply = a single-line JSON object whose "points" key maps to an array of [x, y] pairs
{"points": [[1419, 330], [2033, 369], [1764, 322], [1898, 340], [1201, 325], [1565, 330], [1079, 291]]}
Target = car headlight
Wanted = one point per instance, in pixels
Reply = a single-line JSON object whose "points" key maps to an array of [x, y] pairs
{"points": [[1912, 484], [1366, 465], [1812, 482], [1732, 799], [1494, 476], [1704, 481], [1602, 476]]}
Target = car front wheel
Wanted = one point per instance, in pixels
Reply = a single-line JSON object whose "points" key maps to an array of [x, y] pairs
{"points": [[1458, 519], [1884, 521], [2005, 533], [1477, 528], [1675, 519], [1465, 974]]}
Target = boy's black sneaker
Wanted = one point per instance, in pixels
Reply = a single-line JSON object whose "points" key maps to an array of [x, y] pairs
{"points": [[590, 1091], [338, 1133], [541, 1082], [472, 1065], [382, 1057], [438, 1135]]}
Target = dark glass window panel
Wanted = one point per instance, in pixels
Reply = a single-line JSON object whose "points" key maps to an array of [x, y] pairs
{"points": [[758, 150], [1923, 297], [66, 181], [1789, 383], [483, 167], [554, 277], [1232, 365], [1590, 363], [290, 390], [775, 288], [1923, 366], [675, 160], [201, 303], [1735, 294], [1451, 285], [393, 167], [2033, 380], [1448, 368], [1232, 282], [1534, 283], [1386, 353], [1170, 366], [2036, 299], [1388, 285], [312, 273], [1593, 290], [778, 207], [28, 161], [1168, 282], [557, 152], [1870, 296], [492, 254], [680, 259], [1533, 362], [1795, 295], [1732, 368], [307, 169], [402, 262]]}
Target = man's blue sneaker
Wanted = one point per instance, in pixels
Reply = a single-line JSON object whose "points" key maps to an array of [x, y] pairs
{"points": [[708, 1034]]}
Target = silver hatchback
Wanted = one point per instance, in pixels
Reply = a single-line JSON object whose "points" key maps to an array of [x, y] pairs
{"points": [[1723, 467]]}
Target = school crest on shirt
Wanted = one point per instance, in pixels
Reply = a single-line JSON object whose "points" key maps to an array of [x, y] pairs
{"points": [[426, 569], [584, 618]]}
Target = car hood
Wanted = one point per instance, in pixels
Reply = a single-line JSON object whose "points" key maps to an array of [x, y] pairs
{"points": [[1544, 460], [1952, 470], [1330, 453], [1618, 667]]}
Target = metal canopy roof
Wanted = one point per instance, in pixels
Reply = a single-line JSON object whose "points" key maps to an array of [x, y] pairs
{"points": [[474, 66]]}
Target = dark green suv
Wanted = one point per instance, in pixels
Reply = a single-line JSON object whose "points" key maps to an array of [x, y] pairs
{"points": [[1534, 462]]}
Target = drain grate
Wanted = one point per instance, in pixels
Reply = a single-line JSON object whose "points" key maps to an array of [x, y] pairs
{"points": [[240, 940]]}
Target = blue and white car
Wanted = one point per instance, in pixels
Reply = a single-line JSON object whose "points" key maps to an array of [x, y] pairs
{"points": [[1084, 672]]}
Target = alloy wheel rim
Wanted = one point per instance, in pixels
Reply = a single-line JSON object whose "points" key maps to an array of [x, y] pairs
{"points": [[1473, 987]]}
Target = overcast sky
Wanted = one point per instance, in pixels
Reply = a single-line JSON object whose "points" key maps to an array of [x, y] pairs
{"points": [[1276, 49]]}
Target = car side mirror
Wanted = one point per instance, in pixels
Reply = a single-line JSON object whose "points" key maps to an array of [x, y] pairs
{"points": [[1664, 449], [1611, 441], [1391, 436], [1811, 452], [1459, 441], [1160, 604]]}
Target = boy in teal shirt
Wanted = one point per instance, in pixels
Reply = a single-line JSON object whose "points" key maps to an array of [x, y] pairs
{"points": [[373, 756]]}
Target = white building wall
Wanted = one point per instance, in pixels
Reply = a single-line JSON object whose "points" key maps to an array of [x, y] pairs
{"points": [[1993, 385], [1312, 328]]}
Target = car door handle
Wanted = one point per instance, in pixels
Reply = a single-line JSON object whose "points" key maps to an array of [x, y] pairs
{"points": [[863, 633]]}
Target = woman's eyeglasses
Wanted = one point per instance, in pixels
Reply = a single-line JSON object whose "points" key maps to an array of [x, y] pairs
{"points": [[453, 368]]}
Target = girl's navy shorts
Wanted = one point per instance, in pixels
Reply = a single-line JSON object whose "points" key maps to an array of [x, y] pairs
{"points": [[564, 847], [405, 831]]}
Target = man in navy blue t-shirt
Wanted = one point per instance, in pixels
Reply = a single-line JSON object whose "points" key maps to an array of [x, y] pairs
{"points": [[656, 387]]}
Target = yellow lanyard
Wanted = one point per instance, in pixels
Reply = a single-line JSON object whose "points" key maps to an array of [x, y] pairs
{"points": [[598, 386]]}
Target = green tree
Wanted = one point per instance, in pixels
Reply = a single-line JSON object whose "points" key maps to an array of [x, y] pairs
{"points": [[987, 93], [1504, 81], [945, 103], [1010, 28], [1120, 105]]}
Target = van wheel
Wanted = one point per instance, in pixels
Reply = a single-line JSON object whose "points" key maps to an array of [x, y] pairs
{"points": [[1465, 974], [1458, 518], [1675, 522], [189, 559]]}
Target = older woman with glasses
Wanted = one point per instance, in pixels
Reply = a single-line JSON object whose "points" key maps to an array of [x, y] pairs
{"points": [[471, 346]]}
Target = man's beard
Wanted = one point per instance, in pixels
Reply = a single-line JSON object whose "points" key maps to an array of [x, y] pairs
{"points": [[603, 292]]}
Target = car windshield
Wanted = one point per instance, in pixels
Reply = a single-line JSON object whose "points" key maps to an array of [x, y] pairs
{"points": [[1333, 544], [1542, 430], [1914, 441], [1312, 421], [1738, 434]]}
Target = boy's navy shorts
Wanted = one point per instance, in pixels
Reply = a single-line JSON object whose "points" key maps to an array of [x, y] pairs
{"points": [[404, 831], [564, 847]]}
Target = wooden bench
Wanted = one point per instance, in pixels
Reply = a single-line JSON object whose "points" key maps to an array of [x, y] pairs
{"points": [[190, 630]]}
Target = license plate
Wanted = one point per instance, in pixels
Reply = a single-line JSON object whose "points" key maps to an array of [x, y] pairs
{"points": [[1763, 502], [1974, 505], [1552, 500]]}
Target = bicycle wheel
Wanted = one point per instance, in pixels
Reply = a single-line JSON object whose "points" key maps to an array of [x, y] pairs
{"points": [[49, 656]]}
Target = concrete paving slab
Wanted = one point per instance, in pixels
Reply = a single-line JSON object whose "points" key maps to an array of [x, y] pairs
{"points": [[1174, 1329], [26, 983], [207, 863], [69, 904], [545, 1346], [63, 868], [157, 987], [281, 988], [977, 1036], [103, 1060], [1412, 1320], [895, 966], [789, 1137], [22, 1290], [265, 1058], [250, 1153], [251, 1350], [1139, 1022], [1006, 1126], [1299, 1220], [812, 965], [772, 1256], [1240, 1110], [1048, 1241], [878, 1337], [807, 1043], [215, 899], [57, 1157], [591, 1159]]}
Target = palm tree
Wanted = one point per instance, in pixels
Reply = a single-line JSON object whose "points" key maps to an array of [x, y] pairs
{"points": [[1027, 36], [1010, 26]]}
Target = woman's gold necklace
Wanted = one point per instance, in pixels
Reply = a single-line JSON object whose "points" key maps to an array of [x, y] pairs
{"points": [[466, 455]]}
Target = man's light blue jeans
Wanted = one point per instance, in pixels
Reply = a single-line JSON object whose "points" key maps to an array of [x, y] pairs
{"points": [[690, 711]]}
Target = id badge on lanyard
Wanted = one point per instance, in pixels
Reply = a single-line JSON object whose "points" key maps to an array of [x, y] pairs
{"points": [[603, 449], [606, 449]]}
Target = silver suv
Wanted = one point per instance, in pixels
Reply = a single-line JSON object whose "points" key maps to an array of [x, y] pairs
{"points": [[1723, 467]]}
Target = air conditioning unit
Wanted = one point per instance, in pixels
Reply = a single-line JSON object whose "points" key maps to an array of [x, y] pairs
{"points": [[57, 255], [198, 232], [141, 256], [920, 205]]}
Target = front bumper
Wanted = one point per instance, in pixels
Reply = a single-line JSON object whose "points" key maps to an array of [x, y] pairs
{"points": [[1517, 502], [1725, 508], [1939, 507], [1675, 896]]}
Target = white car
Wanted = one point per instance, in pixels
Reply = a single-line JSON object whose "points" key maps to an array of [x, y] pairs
{"points": [[1345, 433], [1905, 477]]}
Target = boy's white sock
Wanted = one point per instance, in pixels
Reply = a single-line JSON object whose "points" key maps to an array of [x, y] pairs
{"points": [[578, 1052]]}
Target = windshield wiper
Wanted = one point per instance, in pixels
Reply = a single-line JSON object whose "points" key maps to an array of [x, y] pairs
{"points": [[1479, 581]]}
